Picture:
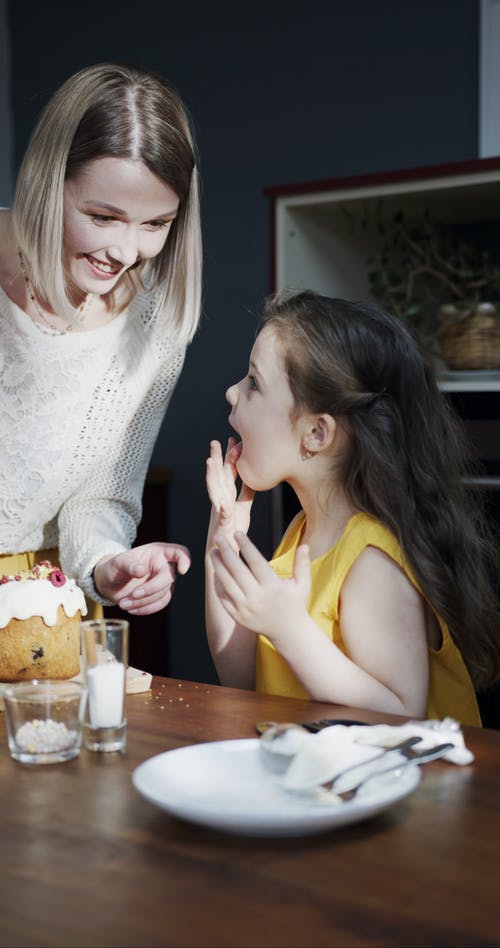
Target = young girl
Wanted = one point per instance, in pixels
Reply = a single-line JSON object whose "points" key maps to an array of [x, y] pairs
{"points": [[379, 595], [100, 284]]}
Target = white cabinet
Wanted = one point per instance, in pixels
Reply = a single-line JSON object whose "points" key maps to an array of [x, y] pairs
{"points": [[319, 240]]}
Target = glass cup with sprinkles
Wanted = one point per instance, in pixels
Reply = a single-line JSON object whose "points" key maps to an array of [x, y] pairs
{"points": [[44, 720]]}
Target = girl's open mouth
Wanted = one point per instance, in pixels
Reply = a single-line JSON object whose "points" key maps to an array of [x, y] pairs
{"points": [[235, 452]]}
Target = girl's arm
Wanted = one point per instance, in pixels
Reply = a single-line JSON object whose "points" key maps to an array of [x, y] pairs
{"points": [[232, 648], [382, 620]]}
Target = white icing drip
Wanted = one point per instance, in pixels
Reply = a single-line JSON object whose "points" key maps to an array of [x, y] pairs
{"points": [[39, 597]]}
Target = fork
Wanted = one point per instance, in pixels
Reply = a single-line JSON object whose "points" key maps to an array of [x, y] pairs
{"points": [[418, 757], [404, 747]]}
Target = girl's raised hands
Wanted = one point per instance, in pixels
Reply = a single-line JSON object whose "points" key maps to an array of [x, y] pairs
{"points": [[230, 510], [253, 594]]}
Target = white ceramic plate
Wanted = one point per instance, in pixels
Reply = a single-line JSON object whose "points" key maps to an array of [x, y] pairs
{"points": [[225, 785]]}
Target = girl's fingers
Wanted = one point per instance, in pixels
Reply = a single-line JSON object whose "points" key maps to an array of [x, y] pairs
{"points": [[212, 485], [216, 479], [227, 556], [221, 465], [226, 586], [256, 563], [244, 572], [215, 449]]}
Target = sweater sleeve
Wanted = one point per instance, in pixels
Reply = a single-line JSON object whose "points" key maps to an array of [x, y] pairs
{"points": [[102, 515]]}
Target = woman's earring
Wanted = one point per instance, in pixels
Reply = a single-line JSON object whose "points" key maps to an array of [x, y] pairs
{"points": [[306, 454]]}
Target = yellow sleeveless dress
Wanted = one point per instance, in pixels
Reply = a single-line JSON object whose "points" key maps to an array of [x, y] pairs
{"points": [[451, 692]]}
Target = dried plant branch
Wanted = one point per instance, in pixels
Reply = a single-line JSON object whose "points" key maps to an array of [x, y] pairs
{"points": [[424, 264]]}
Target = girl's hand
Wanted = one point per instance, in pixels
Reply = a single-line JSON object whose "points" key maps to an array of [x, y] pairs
{"points": [[141, 580], [251, 592], [230, 511]]}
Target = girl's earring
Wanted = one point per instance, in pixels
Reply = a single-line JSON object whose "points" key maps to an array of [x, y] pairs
{"points": [[306, 454]]}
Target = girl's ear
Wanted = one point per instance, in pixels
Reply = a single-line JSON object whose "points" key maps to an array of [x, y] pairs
{"points": [[319, 434]]}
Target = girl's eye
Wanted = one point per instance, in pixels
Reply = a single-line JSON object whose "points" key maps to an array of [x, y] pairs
{"points": [[102, 218], [252, 384]]}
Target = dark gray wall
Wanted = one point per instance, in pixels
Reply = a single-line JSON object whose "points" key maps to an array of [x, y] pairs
{"points": [[6, 148], [279, 92]]}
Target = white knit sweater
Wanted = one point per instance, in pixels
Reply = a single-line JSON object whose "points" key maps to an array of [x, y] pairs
{"points": [[79, 416]]}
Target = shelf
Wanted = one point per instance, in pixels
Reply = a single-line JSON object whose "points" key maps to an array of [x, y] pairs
{"points": [[322, 239], [323, 234], [469, 381]]}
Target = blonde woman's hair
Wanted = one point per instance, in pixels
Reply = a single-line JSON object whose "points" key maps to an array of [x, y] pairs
{"points": [[120, 111]]}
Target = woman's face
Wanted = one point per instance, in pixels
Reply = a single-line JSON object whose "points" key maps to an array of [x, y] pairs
{"points": [[116, 213]]}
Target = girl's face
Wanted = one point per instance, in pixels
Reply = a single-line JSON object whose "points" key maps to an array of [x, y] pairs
{"points": [[261, 413], [116, 213]]}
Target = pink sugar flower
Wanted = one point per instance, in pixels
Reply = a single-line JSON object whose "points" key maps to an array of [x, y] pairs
{"points": [[57, 577]]}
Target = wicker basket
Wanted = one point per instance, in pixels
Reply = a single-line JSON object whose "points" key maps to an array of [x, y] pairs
{"points": [[470, 339]]}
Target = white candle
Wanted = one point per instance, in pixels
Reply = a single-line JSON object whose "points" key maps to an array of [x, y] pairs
{"points": [[106, 684]]}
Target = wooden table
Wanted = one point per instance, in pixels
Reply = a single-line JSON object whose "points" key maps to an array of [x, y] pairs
{"points": [[86, 861]]}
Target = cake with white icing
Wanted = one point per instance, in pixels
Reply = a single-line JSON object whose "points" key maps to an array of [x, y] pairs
{"points": [[40, 613]]}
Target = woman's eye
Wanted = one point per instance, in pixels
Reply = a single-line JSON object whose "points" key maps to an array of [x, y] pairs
{"points": [[158, 225], [252, 384], [102, 218]]}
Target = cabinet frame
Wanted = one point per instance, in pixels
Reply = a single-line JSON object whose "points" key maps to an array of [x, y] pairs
{"points": [[316, 239]]}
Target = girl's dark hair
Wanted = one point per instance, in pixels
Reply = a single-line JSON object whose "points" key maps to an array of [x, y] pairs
{"points": [[408, 456]]}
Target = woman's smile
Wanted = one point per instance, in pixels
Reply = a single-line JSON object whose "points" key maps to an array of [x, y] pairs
{"points": [[105, 270]]}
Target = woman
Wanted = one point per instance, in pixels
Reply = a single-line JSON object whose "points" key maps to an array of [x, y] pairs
{"points": [[100, 287]]}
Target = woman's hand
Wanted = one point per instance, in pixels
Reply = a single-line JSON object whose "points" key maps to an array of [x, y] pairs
{"points": [[251, 592], [230, 511], [141, 580]]}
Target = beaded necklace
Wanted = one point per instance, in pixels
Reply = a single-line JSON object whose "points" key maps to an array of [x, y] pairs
{"points": [[81, 311]]}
